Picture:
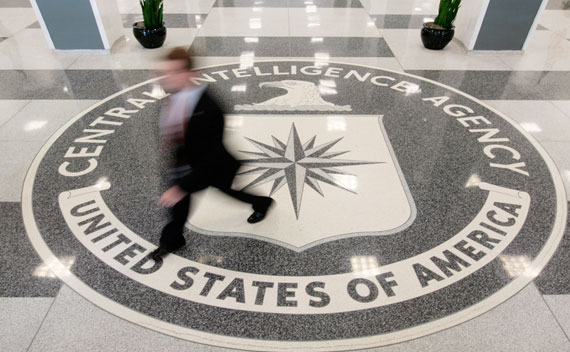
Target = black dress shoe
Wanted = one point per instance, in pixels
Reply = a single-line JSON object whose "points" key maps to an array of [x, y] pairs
{"points": [[257, 215], [159, 253]]}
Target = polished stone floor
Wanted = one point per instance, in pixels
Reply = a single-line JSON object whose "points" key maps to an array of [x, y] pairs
{"points": [[421, 196]]}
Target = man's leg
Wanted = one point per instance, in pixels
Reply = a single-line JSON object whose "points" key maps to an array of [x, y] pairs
{"points": [[260, 204], [172, 236]]}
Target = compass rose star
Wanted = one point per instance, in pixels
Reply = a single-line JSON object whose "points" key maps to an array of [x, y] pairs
{"points": [[296, 164]]}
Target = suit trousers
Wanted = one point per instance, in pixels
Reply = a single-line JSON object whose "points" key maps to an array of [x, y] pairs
{"points": [[172, 236]]}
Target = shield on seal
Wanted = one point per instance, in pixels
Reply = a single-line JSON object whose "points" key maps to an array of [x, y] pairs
{"points": [[331, 176]]}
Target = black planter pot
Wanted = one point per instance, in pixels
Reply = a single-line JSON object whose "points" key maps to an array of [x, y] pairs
{"points": [[436, 39], [149, 38]]}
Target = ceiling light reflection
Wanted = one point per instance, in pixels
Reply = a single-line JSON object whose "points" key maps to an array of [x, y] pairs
{"points": [[311, 9], [336, 123], [327, 90], [54, 268], [234, 122], [363, 263], [322, 59], [157, 92], [239, 88], [246, 59], [102, 182], [314, 21], [35, 125], [255, 23], [414, 89], [515, 265], [473, 181], [531, 127], [328, 83]]}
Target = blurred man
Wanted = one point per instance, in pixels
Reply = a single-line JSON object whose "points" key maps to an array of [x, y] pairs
{"points": [[192, 124]]}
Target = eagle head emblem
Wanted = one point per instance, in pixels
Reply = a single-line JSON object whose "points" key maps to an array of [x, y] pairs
{"points": [[299, 96]]}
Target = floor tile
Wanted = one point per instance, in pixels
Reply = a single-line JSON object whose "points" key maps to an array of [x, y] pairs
{"points": [[38, 120], [28, 49], [563, 105], [560, 307], [235, 46], [523, 323], [15, 3], [251, 3], [23, 273], [15, 160], [171, 20], [560, 153], [13, 20], [325, 3], [246, 22], [289, 3], [406, 7], [324, 22], [557, 21], [545, 51], [401, 21], [389, 63], [34, 25], [340, 46], [557, 5], [21, 318], [9, 108], [554, 279], [504, 85], [540, 118], [129, 54], [68, 84], [170, 6], [96, 330], [295, 46], [408, 48]]}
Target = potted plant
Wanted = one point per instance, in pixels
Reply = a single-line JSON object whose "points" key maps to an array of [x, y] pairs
{"points": [[437, 34], [150, 32]]}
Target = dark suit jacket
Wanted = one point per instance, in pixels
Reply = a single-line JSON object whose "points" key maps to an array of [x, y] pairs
{"points": [[203, 148]]}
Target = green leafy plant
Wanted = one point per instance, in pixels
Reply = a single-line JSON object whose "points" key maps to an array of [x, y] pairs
{"points": [[447, 12], [152, 13]]}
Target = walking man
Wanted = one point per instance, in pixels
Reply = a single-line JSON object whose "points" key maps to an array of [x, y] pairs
{"points": [[193, 124]]}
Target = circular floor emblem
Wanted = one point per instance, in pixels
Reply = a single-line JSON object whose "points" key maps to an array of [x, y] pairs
{"points": [[403, 207]]}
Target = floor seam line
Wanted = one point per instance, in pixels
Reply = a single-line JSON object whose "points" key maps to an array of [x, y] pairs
{"points": [[43, 320], [555, 318], [17, 112], [557, 108]]}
